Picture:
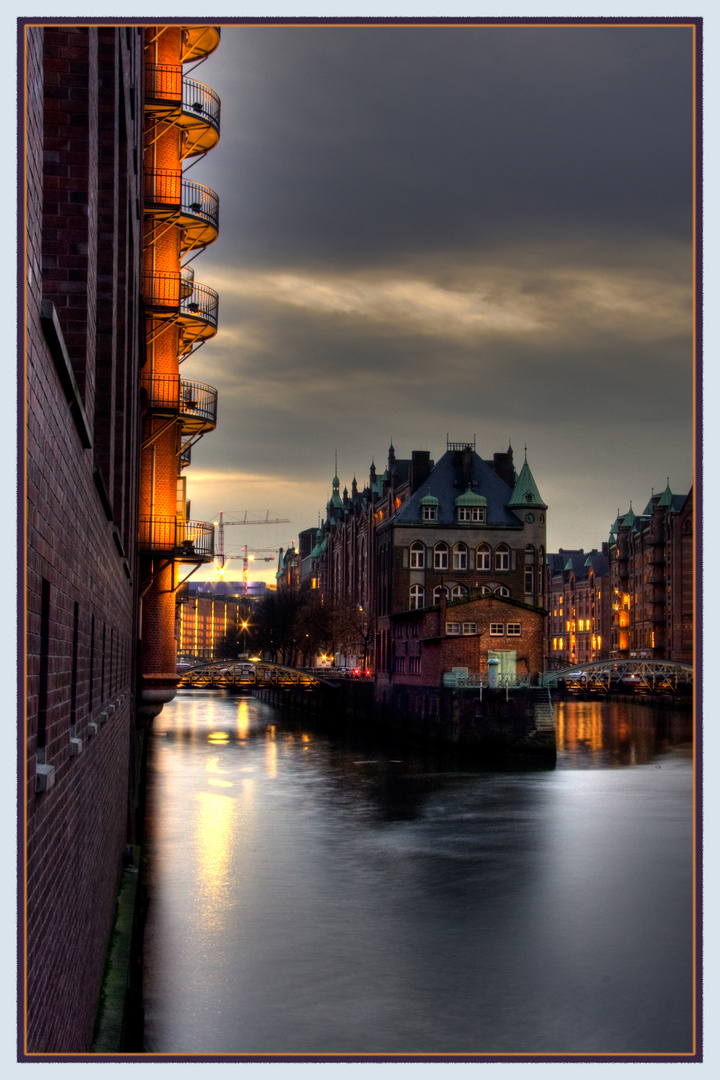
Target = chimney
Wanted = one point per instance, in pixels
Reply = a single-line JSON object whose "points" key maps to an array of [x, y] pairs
{"points": [[420, 468]]}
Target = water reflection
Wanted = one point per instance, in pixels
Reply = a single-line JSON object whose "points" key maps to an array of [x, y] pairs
{"points": [[314, 894], [595, 734]]}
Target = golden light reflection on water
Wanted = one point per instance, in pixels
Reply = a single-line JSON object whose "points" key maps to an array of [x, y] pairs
{"points": [[579, 722], [271, 751], [213, 852], [243, 719]]}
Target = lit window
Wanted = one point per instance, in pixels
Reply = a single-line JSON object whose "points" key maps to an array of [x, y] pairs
{"points": [[460, 557], [502, 558], [514, 629], [469, 628], [417, 556], [441, 557], [417, 597], [497, 629], [452, 627], [483, 557]]}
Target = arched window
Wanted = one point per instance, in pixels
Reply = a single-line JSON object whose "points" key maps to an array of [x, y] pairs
{"points": [[502, 590], [441, 557], [417, 597], [502, 557], [417, 556], [483, 557], [460, 558], [437, 593], [529, 555], [457, 591]]}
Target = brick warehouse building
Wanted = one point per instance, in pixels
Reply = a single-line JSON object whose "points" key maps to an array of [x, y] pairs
{"points": [[421, 531], [92, 393], [651, 580]]}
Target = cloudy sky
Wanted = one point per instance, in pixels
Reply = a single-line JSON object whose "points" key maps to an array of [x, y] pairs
{"points": [[429, 231]]}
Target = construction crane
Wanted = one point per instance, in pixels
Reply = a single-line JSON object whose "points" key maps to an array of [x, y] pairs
{"points": [[221, 524], [246, 558]]}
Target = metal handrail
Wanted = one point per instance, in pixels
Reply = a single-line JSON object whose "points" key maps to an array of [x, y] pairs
{"points": [[163, 187], [199, 100], [192, 540], [179, 292], [202, 303], [198, 401], [201, 201], [164, 82], [192, 400], [166, 187]]}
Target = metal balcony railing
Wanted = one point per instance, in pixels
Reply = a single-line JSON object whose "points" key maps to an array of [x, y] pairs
{"points": [[201, 202], [167, 194], [178, 295], [198, 406], [202, 304], [200, 101], [185, 541], [194, 402], [163, 85], [190, 104]]}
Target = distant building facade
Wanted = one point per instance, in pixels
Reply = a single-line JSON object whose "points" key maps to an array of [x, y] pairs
{"points": [[652, 580], [424, 532], [578, 593]]}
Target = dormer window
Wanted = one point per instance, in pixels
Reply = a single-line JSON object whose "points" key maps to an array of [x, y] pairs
{"points": [[470, 508], [429, 508]]}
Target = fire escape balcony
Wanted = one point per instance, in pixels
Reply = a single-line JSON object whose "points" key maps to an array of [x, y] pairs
{"points": [[183, 541], [194, 403], [198, 42], [177, 297], [192, 106], [193, 208]]}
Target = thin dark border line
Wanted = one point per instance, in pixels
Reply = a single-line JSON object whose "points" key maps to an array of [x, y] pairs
{"points": [[435, 22]]}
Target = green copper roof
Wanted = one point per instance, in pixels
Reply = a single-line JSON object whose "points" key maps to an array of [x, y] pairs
{"points": [[429, 500], [667, 497], [525, 492], [470, 498]]}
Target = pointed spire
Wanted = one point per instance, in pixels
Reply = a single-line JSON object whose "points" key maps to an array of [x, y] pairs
{"points": [[525, 492]]}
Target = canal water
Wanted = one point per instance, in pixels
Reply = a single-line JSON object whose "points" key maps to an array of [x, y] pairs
{"points": [[313, 894]]}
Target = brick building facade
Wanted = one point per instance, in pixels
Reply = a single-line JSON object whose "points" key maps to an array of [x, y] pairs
{"points": [[430, 644], [83, 355], [422, 531], [105, 529], [652, 580], [578, 594]]}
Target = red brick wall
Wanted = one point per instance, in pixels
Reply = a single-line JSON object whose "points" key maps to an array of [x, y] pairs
{"points": [[439, 653], [76, 830]]}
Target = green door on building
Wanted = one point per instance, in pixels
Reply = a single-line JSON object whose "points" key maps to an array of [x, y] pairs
{"points": [[508, 663]]}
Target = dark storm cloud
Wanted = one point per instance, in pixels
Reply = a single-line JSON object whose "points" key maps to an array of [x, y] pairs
{"points": [[350, 143], [433, 230]]}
